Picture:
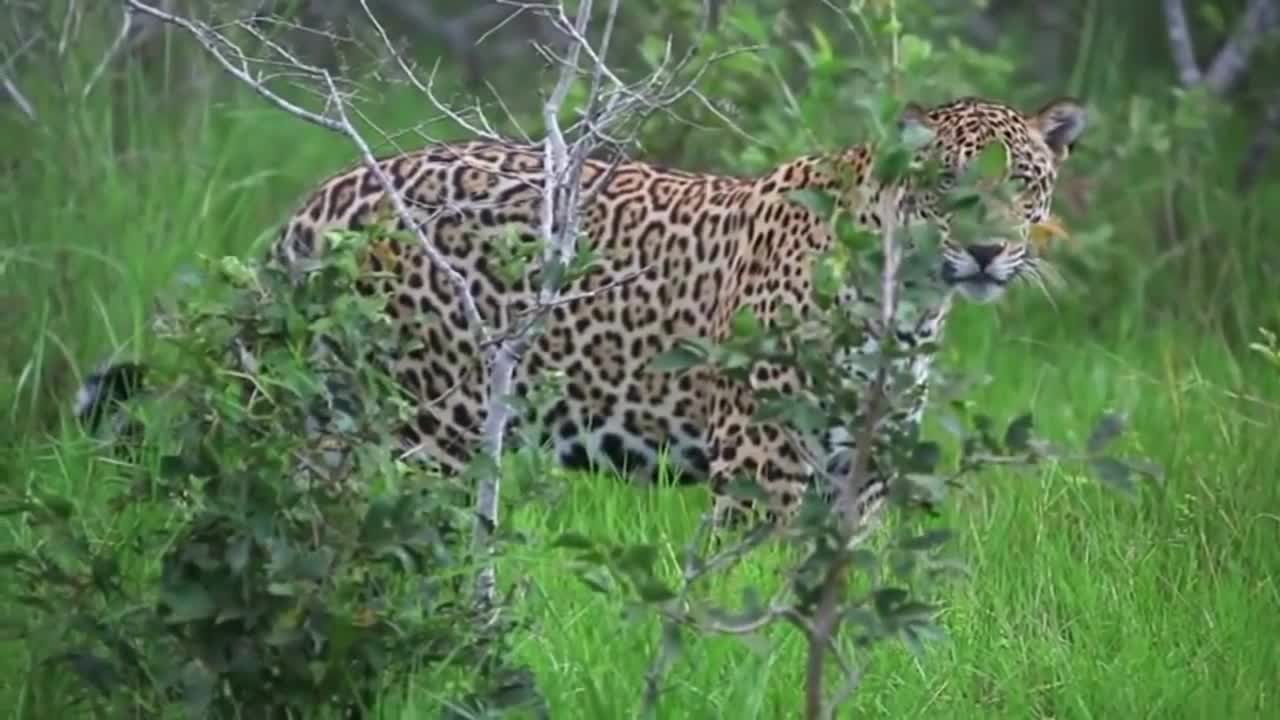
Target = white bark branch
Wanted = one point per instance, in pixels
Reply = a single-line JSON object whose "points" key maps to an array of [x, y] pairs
{"points": [[1180, 42], [1232, 59], [126, 25], [1260, 18], [1230, 64], [15, 94], [213, 42], [610, 102], [1262, 145]]}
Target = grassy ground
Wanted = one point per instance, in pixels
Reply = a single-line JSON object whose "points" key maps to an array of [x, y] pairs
{"points": [[1082, 604]]}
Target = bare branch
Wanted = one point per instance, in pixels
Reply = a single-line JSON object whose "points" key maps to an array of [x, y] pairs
{"points": [[1232, 59], [213, 42], [427, 89], [610, 103], [1180, 43], [11, 89], [1261, 146], [1260, 18], [463, 34], [1228, 66], [70, 22], [711, 14], [561, 181], [126, 25]]}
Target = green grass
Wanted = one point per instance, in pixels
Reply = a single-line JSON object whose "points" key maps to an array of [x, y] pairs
{"points": [[1082, 603]]}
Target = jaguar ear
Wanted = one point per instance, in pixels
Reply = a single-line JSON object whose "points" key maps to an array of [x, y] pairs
{"points": [[1060, 124]]}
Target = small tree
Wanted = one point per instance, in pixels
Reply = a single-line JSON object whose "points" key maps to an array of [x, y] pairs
{"points": [[302, 564], [842, 593]]}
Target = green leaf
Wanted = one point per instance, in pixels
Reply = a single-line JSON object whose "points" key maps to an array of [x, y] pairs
{"points": [[282, 589], [92, 670], [573, 541], [12, 557], [820, 202], [653, 591], [597, 584], [864, 560], [745, 19], [188, 603], [745, 324], [13, 508], [638, 559], [992, 162], [925, 457], [892, 165], [887, 599], [793, 410], [914, 50], [828, 278], [684, 355], [238, 554], [915, 612], [1017, 438], [1109, 427], [744, 488], [314, 565], [916, 136], [198, 687], [934, 487], [928, 541], [1114, 473], [60, 507]]}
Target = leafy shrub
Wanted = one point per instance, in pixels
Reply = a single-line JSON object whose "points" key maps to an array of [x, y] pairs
{"points": [[841, 593], [302, 563]]}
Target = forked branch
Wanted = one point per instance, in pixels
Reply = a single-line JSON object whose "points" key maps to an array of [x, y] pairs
{"points": [[610, 116], [1229, 64]]}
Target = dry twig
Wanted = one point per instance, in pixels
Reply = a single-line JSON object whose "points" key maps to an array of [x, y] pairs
{"points": [[610, 103], [1229, 64]]}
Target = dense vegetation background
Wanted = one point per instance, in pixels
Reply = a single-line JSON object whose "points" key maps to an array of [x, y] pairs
{"points": [[124, 156]]}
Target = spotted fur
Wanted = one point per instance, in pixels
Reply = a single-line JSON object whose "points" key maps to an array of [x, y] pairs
{"points": [[679, 253]]}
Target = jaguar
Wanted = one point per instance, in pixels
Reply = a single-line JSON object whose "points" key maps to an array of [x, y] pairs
{"points": [[676, 255]]}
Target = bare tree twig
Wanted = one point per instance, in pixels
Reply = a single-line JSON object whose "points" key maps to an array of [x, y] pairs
{"points": [[427, 89], [711, 15], [126, 24], [1260, 18], [852, 681], [1180, 42], [70, 21], [1232, 59], [854, 510], [1261, 146], [212, 41], [1229, 64], [13, 57], [11, 89], [609, 102], [562, 171]]}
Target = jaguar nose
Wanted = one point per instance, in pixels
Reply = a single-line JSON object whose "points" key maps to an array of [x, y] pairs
{"points": [[985, 254]]}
